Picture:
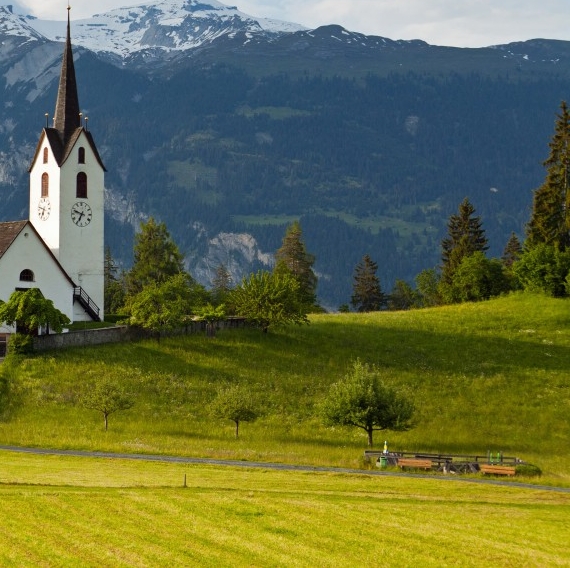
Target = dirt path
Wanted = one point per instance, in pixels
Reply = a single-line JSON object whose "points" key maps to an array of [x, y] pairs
{"points": [[275, 466]]}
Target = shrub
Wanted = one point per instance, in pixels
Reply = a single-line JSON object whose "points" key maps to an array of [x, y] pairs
{"points": [[21, 344], [528, 470]]}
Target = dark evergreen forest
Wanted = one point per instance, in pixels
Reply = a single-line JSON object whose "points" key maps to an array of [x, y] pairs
{"points": [[373, 164]]}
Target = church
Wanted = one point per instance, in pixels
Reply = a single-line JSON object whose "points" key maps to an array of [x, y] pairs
{"points": [[60, 248]]}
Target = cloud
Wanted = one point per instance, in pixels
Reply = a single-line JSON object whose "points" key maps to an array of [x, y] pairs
{"points": [[465, 23]]}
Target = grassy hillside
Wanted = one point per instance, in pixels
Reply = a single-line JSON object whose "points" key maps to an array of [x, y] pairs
{"points": [[63, 511], [488, 376]]}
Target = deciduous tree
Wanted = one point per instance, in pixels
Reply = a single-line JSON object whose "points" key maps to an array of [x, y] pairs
{"points": [[235, 403], [427, 284], [367, 295], [544, 268], [361, 399], [266, 299], [28, 310], [162, 307], [550, 219], [477, 278], [107, 397]]}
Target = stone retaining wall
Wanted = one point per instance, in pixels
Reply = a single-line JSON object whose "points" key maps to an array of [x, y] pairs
{"points": [[119, 334]]}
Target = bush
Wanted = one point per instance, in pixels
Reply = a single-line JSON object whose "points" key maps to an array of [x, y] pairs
{"points": [[528, 470], [543, 269], [21, 344]]}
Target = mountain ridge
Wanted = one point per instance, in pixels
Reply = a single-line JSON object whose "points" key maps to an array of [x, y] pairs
{"points": [[372, 143]]}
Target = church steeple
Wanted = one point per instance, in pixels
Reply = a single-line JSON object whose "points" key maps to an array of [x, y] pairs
{"points": [[67, 118]]}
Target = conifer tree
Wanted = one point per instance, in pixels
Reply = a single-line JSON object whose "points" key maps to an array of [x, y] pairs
{"points": [[512, 252], [221, 284], [367, 295], [157, 257], [465, 237], [550, 218], [294, 259]]}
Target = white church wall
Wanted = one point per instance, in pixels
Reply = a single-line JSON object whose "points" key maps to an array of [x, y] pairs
{"points": [[47, 227], [27, 252], [82, 245]]}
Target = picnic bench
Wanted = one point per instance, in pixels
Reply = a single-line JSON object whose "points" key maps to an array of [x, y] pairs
{"points": [[447, 464], [414, 463], [494, 469]]}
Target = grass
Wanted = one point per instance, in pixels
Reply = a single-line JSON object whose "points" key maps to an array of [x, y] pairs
{"points": [[67, 511], [488, 376], [484, 376]]}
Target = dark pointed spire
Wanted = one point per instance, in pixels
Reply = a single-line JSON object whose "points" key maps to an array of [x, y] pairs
{"points": [[67, 118]]}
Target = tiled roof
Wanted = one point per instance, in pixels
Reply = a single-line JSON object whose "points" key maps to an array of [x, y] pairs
{"points": [[8, 232], [11, 229]]}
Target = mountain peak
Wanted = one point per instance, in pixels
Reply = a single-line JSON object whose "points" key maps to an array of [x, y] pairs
{"points": [[13, 23], [166, 25]]}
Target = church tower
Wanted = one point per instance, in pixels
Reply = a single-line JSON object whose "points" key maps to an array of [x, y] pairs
{"points": [[67, 194]]}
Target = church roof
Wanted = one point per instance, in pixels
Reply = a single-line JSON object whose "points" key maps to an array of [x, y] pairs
{"points": [[67, 125], [67, 118], [62, 152], [8, 233], [10, 230]]}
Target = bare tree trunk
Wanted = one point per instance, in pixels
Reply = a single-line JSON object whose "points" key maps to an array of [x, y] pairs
{"points": [[106, 417], [369, 432]]}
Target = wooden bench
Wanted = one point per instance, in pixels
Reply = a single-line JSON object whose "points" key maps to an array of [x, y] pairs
{"points": [[492, 469], [415, 463]]}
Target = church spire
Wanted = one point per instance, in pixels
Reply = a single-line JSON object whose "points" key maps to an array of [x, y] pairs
{"points": [[67, 118]]}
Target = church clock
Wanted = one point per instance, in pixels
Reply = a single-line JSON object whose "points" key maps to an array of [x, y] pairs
{"points": [[81, 213], [44, 208]]}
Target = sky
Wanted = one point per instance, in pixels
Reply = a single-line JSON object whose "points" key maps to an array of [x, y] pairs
{"points": [[460, 23]]}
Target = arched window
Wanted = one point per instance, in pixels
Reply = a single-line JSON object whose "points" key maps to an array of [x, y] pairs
{"points": [[45, 185], [26, 275], [81, 185], [81, 155], [45, 155]]}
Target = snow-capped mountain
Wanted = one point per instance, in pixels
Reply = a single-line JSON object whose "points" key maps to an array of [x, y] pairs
{"points": [[14, 24], [164, 25]]}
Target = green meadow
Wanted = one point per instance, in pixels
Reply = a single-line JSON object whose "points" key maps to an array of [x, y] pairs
{"points": [[484, 376], [66, 511]]}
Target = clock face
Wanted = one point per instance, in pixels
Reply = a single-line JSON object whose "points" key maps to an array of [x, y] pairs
{"points": [[44, 208], [81, 213]]}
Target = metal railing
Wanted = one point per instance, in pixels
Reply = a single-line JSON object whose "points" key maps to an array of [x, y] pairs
{"points": [[84, 299]]}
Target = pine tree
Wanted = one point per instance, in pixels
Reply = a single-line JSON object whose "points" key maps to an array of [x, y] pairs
{"points": [[512, 252], [294, 259], [367, 295], [465, 236], [221, 284], [550, 218], [157, 257]]}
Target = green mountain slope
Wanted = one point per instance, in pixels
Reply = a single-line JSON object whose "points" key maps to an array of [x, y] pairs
{"points": [[372, 144], [488, 376]]}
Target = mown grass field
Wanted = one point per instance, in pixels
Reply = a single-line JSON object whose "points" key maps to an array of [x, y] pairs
{"points": [[488, 376], [66, 511]]}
